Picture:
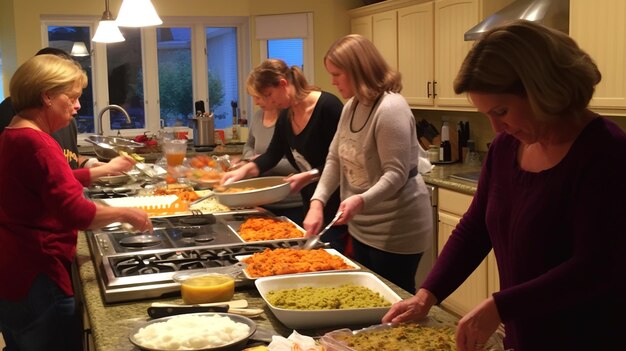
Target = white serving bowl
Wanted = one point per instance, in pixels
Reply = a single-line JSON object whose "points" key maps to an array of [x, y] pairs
{"points": [[267, 190], [310, 319]]}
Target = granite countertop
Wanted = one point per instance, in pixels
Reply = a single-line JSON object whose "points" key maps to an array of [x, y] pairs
{"points": [[440, 176], [111, 324]]}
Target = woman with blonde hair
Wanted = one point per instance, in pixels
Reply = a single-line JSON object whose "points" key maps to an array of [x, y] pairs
{"points": [[546, 201], [304, 129], [41, 208], [373, 160]]}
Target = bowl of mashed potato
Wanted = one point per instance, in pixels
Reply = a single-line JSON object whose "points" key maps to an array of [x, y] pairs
{"points": [[194, 331]]}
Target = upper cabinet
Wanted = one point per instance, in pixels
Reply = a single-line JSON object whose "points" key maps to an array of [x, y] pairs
{"points": [[362, 26], [599, 28], [424, 41]]}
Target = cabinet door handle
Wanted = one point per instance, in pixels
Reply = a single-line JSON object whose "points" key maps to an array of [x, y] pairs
{"points": [[434, 89], [428, 89]]}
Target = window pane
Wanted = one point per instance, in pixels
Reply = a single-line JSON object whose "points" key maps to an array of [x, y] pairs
{"points": [[125, 72], [221, 44], [64, 38], [175, 84], [288, 50]]}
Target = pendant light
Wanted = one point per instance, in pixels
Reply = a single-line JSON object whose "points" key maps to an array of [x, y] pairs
{"points": [[79, 49], [107, 31], [137, 13]]}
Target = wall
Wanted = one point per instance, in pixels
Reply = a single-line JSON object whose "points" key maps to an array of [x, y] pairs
{"points": [[21, 29], [480, 128]]}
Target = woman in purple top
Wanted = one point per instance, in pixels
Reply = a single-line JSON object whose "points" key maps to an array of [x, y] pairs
{"points": [[550, 201]]}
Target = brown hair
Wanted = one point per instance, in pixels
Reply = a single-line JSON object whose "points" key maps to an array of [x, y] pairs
{"points": [[368, 71], [269, 73], [528, 59], [44, 74]]}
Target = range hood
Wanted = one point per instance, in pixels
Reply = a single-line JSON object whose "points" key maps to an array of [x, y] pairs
{"points": [[551, 13]]}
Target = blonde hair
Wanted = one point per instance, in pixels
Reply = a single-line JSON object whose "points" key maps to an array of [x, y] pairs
{"points": [[368, 71], [527, 59], [269, 73], [41, 74]]}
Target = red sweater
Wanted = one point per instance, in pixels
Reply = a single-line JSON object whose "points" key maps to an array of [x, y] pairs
{"points": [[41, 207]]}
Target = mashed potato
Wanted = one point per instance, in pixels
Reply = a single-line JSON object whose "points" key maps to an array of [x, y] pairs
{"points": [[190, 332]]}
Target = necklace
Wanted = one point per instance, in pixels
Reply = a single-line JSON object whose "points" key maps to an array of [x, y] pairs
{"points": [[368, 116]]}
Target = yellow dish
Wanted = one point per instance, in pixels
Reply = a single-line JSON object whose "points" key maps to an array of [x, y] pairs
{"points": [[207, 288]]}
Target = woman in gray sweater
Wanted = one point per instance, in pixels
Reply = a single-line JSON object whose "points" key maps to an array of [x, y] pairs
{"points": [[373, 160]]}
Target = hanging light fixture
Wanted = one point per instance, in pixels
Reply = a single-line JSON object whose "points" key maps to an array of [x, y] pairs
{"points": [[107, 31], [137, 13], [79, 49]]}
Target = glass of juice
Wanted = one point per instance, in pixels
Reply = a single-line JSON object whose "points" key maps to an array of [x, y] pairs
{"points": [[175, 151]]}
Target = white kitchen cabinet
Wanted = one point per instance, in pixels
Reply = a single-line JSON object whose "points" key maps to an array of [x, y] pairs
{"points": [[424, 41], [484, 280], [415, 33], [599, 28], [385, 36], [362, 25]]}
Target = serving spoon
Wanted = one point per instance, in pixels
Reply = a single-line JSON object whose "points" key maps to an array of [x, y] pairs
{"points": [[313, 240]]}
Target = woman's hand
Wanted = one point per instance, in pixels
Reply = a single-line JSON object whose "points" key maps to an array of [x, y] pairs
{"points": [[300, 180], [314, 218], [139, 219], [350, 207], [248, 170], [476, 327], [114, 167], [413, 308]]}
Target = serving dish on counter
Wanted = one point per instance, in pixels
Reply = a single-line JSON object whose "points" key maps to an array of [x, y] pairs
{"points": [[263, 190], [235, 345], [235, 225], [333, 252], [310, 319]]}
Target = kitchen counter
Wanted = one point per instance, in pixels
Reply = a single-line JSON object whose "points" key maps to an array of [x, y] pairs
{"points": [[227, 149], [440, 177], [111, 324]]}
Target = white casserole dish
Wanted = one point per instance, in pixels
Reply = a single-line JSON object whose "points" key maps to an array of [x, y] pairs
{"points": [[310, 319]]}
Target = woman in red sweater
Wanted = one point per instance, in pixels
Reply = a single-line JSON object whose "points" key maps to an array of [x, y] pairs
{"points": [[41, 208]]}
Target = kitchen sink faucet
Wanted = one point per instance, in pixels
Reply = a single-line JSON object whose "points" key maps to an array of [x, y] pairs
{"points": [[111, 107]]}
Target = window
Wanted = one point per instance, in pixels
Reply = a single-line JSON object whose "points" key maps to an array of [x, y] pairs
{"points": [[221, 44], [289, 50], [288, 37], [157, 73], [125, 81], [67, 38], [175, 75]]}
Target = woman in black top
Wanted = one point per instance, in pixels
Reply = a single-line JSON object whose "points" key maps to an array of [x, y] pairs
{"points": [[305, 127]]}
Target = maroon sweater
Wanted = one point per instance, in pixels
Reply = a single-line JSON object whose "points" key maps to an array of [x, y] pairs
{"points": [[41, 207], [559, 237]]}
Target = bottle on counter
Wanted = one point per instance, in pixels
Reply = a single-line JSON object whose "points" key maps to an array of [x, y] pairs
{"points": [[445, 149]]}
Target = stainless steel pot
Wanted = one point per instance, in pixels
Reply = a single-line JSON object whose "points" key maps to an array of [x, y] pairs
{"points": [[204, 130]]}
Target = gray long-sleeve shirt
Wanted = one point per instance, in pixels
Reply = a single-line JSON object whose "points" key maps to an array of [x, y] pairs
{"points": [[375, 162]]}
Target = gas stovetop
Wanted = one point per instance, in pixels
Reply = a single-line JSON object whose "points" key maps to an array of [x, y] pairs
{"points": [[134, 266]]}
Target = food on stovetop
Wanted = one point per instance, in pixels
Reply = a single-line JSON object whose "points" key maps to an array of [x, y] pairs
{"points": [[260, 228], [191, 332], [326, 298], [402, 337], [290, 261]]}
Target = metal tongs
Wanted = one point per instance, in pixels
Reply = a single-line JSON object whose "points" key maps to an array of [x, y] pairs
{"points": [[312, 241]]}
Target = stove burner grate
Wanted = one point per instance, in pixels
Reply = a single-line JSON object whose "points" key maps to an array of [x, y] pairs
{"points": [[198, 220]]}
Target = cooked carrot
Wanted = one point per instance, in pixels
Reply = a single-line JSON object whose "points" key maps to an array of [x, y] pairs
{"points": [[289, 261]]}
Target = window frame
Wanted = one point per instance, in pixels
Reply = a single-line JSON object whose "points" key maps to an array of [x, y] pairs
{"points": [[308, 60], [150, 63]]}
